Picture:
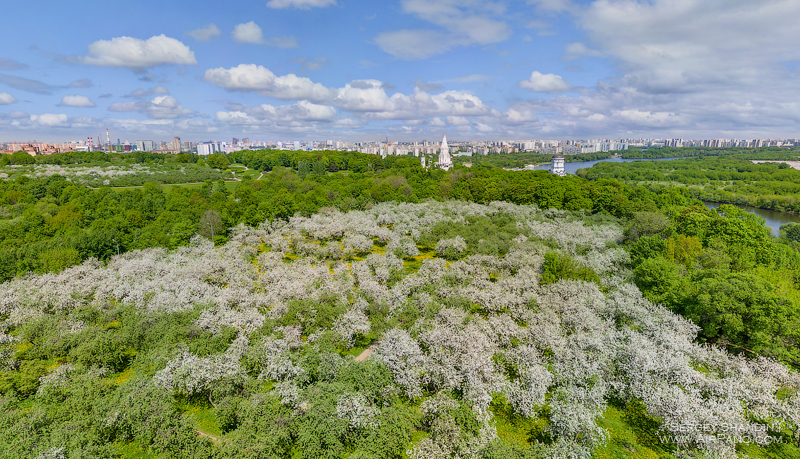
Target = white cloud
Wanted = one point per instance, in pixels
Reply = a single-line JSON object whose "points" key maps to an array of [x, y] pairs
{"points": [[82, 83], [161, 107], [142, 93], [463, 23], [206, 33], [77, 101], [693, 45], [138, 55], [248, 32], [6, 98], [300, 4], [283, 115], [316, 64], [283, 42], [553, 6], [578, 50], [257, 78], [50, 119], [414, 44], [469, 78], [543, 28], [550, 82], [369, 97]]}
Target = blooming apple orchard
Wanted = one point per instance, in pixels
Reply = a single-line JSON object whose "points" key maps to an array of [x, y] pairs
{"points": [[455, 323]]}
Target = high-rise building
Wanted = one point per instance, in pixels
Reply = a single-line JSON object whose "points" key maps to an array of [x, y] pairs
{"points": [[207, 148], [176, 144]]}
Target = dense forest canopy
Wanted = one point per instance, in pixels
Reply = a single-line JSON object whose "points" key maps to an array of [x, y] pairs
{"points": [[493, 313], [730, 179]]}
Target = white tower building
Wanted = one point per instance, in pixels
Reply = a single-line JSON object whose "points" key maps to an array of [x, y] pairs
{"points": [[558, 165], [445, 162]]}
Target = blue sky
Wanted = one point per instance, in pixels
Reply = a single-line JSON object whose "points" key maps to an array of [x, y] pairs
{"points": [[406, 69]]}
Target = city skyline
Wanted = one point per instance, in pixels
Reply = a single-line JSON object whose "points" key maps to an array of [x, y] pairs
{"points": [[407, 69]]}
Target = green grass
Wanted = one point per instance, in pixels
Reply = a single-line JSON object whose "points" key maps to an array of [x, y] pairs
{"points": [[203, 418], [623, 441], [134, 450]]}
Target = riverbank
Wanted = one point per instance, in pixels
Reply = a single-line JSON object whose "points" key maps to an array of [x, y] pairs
{"points": [[772, 218]]}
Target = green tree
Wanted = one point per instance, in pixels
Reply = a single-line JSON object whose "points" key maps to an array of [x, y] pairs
{"points": [[743, 311], [217, 161], [210, 224]]}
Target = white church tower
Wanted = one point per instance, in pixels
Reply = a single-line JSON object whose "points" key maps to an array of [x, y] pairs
{"points": [[445, 162]]}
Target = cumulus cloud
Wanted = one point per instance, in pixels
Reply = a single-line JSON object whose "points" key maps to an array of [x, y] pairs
{"points": [[366, 98], [257, 78], [696, 45], [143, 93], [692, 69], [138, 55], [6, 98], [281, 115], [77, 101], [461, 23], [370, 98], [161, 107], [300, 4], [248, 32], [206, 33], [550, 82], [50, 119]]}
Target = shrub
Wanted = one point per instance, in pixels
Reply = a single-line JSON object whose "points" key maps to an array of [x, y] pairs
{"points": [[558, 266]]}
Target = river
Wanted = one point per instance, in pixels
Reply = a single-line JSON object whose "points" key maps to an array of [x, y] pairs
{"points": [[571, 168], [773, 219]]}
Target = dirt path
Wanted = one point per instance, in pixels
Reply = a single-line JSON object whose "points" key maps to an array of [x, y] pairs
{"points": [[365, 354], [234, 173], [213, 438]]}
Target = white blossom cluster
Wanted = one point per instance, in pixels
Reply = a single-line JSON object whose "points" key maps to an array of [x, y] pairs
{"points": [[484, 326], [57, 377], [456, 245], [357, 410], [272, 356], [190, 375], [447, 439], [352, 323]]}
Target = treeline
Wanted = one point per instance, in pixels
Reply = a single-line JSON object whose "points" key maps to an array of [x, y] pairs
{"points": [[725, 272], [47, 224], [679, 152], [96, 157], [773, 186], [522, 159]]}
